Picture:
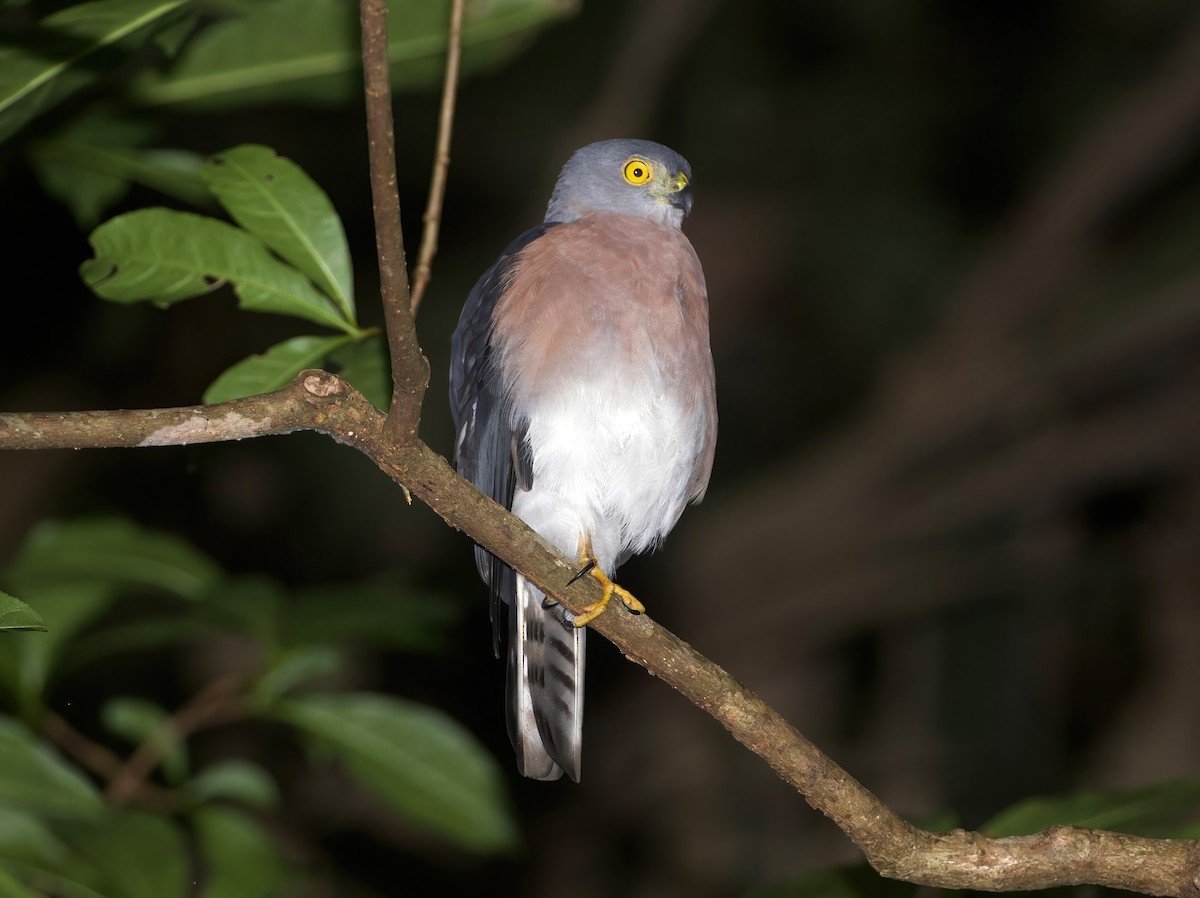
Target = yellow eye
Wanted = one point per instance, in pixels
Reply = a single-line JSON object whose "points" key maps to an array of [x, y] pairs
{"points": [[637, 171]]}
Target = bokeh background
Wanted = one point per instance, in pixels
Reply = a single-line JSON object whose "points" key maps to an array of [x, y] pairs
{"points": [[953, 532]]}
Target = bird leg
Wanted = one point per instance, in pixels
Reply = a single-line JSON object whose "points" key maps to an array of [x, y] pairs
{"points": [[591, 566]]}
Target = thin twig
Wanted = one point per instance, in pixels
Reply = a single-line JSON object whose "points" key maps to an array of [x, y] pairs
{"points": [[91, 755], [410, 370], [441, 159], [101, 761], [217, 704]]}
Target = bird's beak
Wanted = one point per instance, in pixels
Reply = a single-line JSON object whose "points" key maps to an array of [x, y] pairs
{"points": [[680, 195]]}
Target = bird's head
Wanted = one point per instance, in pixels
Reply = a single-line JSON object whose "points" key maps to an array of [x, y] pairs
{"points": [[631, 177]]}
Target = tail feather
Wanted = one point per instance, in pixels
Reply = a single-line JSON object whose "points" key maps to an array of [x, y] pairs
{"points": [[544, 687]]}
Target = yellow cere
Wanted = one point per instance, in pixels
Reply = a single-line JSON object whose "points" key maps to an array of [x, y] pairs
{"points": [[637, 171]]}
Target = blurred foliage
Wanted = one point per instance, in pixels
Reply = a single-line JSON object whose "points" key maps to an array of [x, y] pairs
{"points": [[1168, 810], [223, 54], [56, 830], [288, 255]]}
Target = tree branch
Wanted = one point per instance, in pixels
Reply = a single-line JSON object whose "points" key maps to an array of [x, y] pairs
{"points": [[283, 411], [1059, 856], [441, 158], [217, 703], [410, 368], [104, 763]]}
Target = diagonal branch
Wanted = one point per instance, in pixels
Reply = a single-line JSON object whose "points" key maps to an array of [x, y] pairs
{"points": [[322, 402], [441, 158], [410, 369], [101, 761], [217, 704]]}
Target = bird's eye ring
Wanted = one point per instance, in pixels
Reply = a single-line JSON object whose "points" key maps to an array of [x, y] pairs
{"points": [[637, 171]]}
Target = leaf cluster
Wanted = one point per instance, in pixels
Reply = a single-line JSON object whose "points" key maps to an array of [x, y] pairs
{"points": [[287, 255], [213, 823]]}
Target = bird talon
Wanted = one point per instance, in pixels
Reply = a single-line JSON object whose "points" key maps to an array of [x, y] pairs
{"points": [[591, 563], [590, 613], [595, 609]]}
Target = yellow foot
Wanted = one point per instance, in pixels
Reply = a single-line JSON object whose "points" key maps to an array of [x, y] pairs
{"points": [[592, 611]]}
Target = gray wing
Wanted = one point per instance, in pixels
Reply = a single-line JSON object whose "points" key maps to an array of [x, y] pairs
{"points": [[488, 450], [544, 685]]}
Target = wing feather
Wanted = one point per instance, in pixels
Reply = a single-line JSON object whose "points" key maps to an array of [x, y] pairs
{"points": [[487, 445], [544, 657]]}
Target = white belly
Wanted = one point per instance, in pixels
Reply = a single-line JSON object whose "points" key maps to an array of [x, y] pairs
{"points": [[610, 463]]}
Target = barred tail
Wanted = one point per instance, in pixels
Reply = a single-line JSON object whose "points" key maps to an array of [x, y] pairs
{"points": [[544, 686]]}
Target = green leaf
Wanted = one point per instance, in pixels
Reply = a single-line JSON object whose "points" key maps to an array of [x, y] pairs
{"points": [[10, 887], [16, 615], [48, 882], [1137, 811], [172, 38], [72, 572], [273, 199], [137, 720], [90, 163], [86, 193], [31, 853], [45, 66], [25, 838], [90, 179], [33, 778], [240, 860], [114, 552], [235, 780], [307, 50], [1184, 831], [274, 368], [26, 664], [167, 256], [62, 162], [418, 760], [295, 668], [364, 365], [137, 855], [380, 612]]}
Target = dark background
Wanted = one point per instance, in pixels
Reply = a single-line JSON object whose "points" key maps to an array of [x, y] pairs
{"points": [[953, 256]]}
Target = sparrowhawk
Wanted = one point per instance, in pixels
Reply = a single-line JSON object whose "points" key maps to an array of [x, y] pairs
{"points": [[582, 388]]}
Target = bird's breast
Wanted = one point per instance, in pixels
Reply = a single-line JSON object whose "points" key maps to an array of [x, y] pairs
{"points": [[602, 334], [604, 291]]}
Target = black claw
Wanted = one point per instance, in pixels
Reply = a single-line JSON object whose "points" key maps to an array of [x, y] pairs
{"points": [[630, 610], [548, 602], [585, 569]]}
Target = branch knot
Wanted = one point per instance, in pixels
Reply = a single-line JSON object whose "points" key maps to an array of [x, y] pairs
{"points": [[322, 383]]}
